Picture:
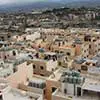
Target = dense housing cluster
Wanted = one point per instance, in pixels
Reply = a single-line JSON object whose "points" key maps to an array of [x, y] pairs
{"points": [[43, 56]]}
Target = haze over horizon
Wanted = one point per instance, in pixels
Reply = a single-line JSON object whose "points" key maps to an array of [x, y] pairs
{"points": [[5, 2], [28, 5]]}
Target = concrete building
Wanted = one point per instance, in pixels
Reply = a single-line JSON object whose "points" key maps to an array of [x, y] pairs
{"points": [[21, 75], [5, 36], [9, 93], [43, 67]]}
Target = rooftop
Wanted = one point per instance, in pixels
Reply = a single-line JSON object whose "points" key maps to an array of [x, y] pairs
{"points": [[58, 93], [91, 85], [16, 94], [57, 74]]}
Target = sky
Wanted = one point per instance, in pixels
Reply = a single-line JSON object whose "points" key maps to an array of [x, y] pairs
{"points": [[19, 1], [25, 1]]}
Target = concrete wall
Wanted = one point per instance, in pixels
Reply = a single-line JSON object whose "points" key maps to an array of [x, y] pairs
{"points": [[33, 36], [68, 87], [37, 69], [58, 98], [8, 54], [78, 50], [65, 50], [49, 85], [37, 91], [30, 89], [52, 65], [85, 50], [20, 76]]}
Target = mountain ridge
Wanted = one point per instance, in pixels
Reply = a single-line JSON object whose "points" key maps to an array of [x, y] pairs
{"points": [[49, 5]]}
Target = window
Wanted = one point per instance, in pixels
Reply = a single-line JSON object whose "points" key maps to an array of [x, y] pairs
{"points": [[59, 44], [5, 57], [68, 54], [2, 38], [37, 85], [87, 55], [41, 74], [94, 64], [9, 36], [84, 50], [94, 40], [90, 40], [5, 45], [59, 63], [44, 92], [52, 69], [90, 46], [65, 91], [63, 43], [61, 52], [79, 70], [24, 38], [53, 89], [74, 45], [41, 67], [34, 66], [56, 51], [1, 98], [84, 68], [88, 63], [14, 70], [14, 53]]}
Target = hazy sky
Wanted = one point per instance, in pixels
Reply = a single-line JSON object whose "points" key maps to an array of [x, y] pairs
{"points": [[19, 1], [23, 1]]}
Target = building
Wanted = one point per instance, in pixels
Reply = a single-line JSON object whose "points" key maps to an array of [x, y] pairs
{"points": [[9, 93]]}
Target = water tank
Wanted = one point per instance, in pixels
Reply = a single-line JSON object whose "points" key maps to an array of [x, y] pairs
{"points": [[79, 80], [70, 79], [69, 73], [66, 79], [74, 80], [77, 74]]}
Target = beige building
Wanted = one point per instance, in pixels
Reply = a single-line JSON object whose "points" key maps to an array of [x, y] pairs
{"points": [[4, 36], [23, 72], [66, 50], [9, 93], [43, 67], [72, 88], [85, 50]]}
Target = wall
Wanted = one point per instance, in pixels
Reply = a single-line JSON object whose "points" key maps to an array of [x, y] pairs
{"points": [[30, 89], [78, 49], [37, 69], [68, 87], [8, 54], [85, 50], [58, 98], [20, 76], [49, 85], [33, 36]]}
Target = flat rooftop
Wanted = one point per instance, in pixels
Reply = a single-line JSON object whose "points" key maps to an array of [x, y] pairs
{"points": [[57, 74], [16, 94], [58, 93], [91, 85]]}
